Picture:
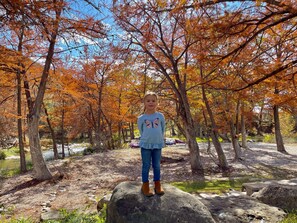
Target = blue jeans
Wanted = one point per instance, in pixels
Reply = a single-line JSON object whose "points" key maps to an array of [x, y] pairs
{"points": [[151, 156]]}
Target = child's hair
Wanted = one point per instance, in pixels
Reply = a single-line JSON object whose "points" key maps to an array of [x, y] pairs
{"points": [[150, 93]]}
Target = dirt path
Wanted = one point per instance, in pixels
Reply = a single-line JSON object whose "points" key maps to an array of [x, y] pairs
{"points": [[80, 182]]}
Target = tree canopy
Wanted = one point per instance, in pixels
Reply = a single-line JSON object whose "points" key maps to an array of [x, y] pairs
{"points": [[222, 68]]}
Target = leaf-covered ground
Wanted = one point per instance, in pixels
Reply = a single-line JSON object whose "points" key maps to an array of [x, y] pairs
{"points": [[79, 182]]}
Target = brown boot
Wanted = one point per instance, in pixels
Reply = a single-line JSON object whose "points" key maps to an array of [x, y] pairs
{"points": [[146, 189], [158, 188]]}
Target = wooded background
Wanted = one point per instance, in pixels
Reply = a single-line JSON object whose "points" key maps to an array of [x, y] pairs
{"points": [[72, 69]]}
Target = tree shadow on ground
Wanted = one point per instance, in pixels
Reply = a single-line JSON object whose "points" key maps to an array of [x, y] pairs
{"points": [[27, 184], [275, 172]]}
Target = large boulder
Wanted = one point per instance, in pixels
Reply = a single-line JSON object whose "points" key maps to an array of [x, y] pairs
{"points": [[129, 205], [278, 195], [238, 207]]}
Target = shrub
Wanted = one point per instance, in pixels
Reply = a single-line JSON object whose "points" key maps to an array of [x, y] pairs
{"points": [[269, 138], [2, 155], [88, 151]]}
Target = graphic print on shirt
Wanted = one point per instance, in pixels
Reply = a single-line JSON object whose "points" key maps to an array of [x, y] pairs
{"points": [[152, 124], [156, 123], [148, 123]]}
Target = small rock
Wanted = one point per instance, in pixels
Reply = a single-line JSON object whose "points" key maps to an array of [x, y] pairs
{"points": [[45, 209], [53, 194], [50, 215], [62, 189], [103, 201], [2, 210]]}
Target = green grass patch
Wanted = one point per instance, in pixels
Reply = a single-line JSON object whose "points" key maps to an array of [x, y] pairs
{"points": [[215, 186], [19, 220], [291, 217], [199, 140], [66, 217], [77, 217], [205, 140], [10, 172], [13, 151]]}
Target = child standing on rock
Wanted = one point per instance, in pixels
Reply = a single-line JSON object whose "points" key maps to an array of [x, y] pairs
{"points": [[151, 126]]}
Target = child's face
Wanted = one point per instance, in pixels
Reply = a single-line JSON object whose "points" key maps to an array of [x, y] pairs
{"points": [[150, 103]]}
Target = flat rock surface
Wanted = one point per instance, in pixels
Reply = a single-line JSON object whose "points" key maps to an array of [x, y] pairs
{"points": [[80, 182]]}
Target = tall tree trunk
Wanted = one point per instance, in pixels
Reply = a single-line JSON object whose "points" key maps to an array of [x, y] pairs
{"points": [[19, 74], [24, 124], [90, 133], [238, 113], [214, 134], [184, 111], [235, 143], [55, 149], [90, 126], [278, 134], [40, 169], [132, 136], [243, 129], [41, 172], [20, 128], [172, 127], [206, 131], [110, 138], [178, 123], [121, 136], [195, 159], [259, 124], [63, 131], [98, 129], [124, 135]]}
